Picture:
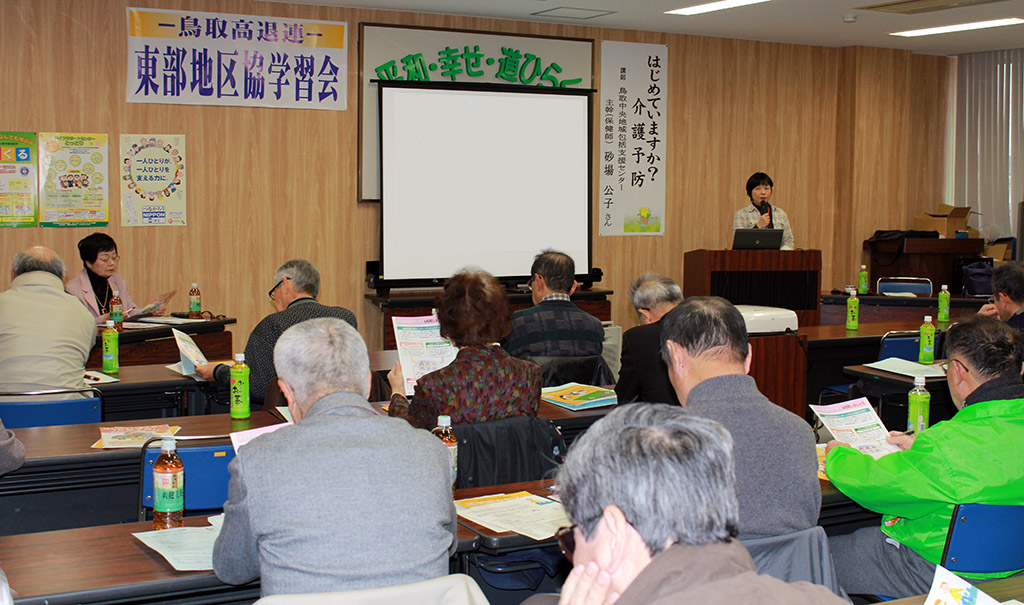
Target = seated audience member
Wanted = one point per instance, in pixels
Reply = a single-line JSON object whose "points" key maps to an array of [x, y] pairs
{"points": [[484, 382], [345, 499], [96, 283], [704, 341], [554, 326], [975, 457], [1007, 302], [296, 286], [12, 451], [644, 375], [651, 492], [760, 213], [45, 334]]}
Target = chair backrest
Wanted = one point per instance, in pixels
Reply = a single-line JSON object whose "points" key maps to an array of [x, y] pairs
{"points": [[904, 345], [801, 556], [19, 414], [915, 285], [985, 538], [584, 369], [521, 448], [454, 589], [206, 473]]}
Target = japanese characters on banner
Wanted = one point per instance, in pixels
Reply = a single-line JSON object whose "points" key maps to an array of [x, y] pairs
{"points": [[152, 179], [196, 58], [18, 185], [634, 99], [72, 180]]}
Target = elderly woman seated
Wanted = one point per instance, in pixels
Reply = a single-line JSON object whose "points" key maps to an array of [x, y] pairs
{"points": [[484, 382]]}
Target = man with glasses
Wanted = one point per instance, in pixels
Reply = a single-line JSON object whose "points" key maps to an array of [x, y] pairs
{"points": [[1007, 301], [975, 457], [296, 286], [652, 493]]}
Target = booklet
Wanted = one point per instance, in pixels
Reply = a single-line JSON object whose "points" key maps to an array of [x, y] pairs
{"points": [[576, 396], [855, 422], [421, 348], [191, 356], [155, 305], [950, 589], [132, 436]]}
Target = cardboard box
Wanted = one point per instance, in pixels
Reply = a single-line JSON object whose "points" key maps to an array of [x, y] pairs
{"points": [[998, 252], [946, 220]]}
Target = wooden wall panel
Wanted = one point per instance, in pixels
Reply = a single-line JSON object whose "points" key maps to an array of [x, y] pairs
{"points": [[266, 185]]}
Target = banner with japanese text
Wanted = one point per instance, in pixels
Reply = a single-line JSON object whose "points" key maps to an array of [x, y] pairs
{"points": [[152, 179], [196, 58], [73, 180], [444, 55], [634, 99], [18, 180]]}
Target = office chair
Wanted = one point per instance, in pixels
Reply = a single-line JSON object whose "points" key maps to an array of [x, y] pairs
{"points": [[903, 345], [916, 285], [206, 473], [985, 538], [801, 556], [19, 414]]}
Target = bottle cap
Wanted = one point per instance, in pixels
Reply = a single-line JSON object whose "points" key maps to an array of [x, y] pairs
{"points": [[927, 319], [110, 323], [862, 267], [444, 421], [918, 381], [195, 284], [239, 357], [945, 287], [167, 444], [116, 293]]}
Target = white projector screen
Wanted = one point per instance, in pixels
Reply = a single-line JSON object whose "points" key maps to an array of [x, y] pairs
{"points": [[482, 178]]}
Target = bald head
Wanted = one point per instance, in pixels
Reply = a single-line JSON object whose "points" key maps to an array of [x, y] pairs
{"points": [[37, 258]]}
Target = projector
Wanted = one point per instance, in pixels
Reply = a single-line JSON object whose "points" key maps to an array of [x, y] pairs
{"points": [[767, 320]]}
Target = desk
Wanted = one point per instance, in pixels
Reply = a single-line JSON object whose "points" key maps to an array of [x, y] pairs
{"points": [[153, 391], [879, 383], [1000, 590], [940, 260], [157, 345], [65, 483], [895, 308], [494, 542]]}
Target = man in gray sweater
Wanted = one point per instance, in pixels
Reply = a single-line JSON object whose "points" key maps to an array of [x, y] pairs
{"points": [[704, 343]]}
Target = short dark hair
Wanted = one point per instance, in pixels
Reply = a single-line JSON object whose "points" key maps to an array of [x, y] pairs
{"points": [[756, 180], [557, 269], [1008, 278], [991, 347], [705, 325], [90, 246], [473, 309]]}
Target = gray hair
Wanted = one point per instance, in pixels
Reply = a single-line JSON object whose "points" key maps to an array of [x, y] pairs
{"points": [[650, 290], [305, 278], [705, 325], [670, 472], [322, 356], [24, 262]]}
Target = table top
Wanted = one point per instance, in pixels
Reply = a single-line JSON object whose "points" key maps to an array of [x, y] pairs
{"points": [[151, 376], [496, 541], [130, 335], [869, 373], [1000, 590], [866, 331]]}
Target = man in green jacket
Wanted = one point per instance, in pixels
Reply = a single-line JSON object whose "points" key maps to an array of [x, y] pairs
{"points": [[977, 456]]}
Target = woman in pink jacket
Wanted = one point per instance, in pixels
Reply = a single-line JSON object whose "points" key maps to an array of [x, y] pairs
{"points": [[96, 284]]}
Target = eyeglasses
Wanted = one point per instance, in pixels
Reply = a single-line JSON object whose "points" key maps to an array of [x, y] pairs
{"points": [[276, 286], [567, 540], [106, 258], [945, 366]]}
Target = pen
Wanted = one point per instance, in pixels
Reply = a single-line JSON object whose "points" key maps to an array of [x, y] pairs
{"points": [[908, 433]]}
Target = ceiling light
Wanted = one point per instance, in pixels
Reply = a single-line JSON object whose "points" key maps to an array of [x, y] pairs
{"points": [[712, 6], [931, 31]]}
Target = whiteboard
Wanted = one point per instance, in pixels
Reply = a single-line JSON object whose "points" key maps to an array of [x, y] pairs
{"points": [[482, 179]]}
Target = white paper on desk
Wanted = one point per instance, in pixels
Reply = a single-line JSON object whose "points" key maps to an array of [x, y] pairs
{"points": [[240, 438], [950, 589], [421, 348], [908, 368], [533, 516], [136, 325], [171, 321], [191, 355], [856, 423], [185, 548], [93, 377], [900, 294]]}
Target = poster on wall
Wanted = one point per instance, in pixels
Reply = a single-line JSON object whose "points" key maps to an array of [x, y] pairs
{"points": [[73, 180], [152, 179], [18, 180], [197, 58], [633, 116]]}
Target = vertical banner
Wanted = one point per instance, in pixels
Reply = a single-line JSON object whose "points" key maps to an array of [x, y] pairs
{"points": [[18, 184], [634, 100], [152, 179], [195, 58], [72, 180]]}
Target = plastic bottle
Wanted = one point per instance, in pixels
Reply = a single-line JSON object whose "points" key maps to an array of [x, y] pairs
{"points": [[944, 304], [926, 353], [110, 348], [918, 404], [117, 311], [195, 303], [852, 310], [239, 388], [168, 488], [862, 280], [444, 432]]}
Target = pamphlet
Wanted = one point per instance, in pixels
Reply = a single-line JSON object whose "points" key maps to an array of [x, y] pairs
{"points": [[950, 589], [155, 305], [576, 396], [185, 548], [855, 422], [524, 513], [191, 356], [421, 348], [132, 436]]}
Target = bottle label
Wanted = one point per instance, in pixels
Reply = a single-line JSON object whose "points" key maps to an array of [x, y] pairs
{"points": [[862, 283], [453, 455], [919, 404], [168, 491], [927, 352], [116, 314], [852, 313], [943, 306], [193, 303], [110, 351], [239, 392]]}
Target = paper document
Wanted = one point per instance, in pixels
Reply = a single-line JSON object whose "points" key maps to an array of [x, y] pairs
{"points": [[185, 548], [136, 325], [421, 349], [191, 356], [170, 321], [576, 396], [855, 422], [240, 438], [156, 304], [93, 377], [900, 294], [524, 513], [908, 368], [285, 413], [132, 436], [950, 589]]}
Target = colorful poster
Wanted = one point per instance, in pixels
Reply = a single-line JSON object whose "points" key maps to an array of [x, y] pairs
{"points": [[152, 179], [18, 184], [73, 180], [195, 58], [634, 102]]}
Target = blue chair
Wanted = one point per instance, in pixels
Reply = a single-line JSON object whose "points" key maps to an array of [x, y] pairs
{"points": [[206, 473], [904, 345], [23, 413], [921, 286], [985, 538]]}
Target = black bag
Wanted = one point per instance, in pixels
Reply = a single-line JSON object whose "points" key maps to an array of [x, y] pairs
{"points": [[883, 235], [978, 279]]}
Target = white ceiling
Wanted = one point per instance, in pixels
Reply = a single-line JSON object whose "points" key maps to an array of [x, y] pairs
{"points": [[816, 22]]}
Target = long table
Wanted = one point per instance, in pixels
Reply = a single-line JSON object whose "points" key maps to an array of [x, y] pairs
{"points": [[153, 391], [157, 345]]}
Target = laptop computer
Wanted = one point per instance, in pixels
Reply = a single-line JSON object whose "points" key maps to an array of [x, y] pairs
{"points": [[757, 239]]}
